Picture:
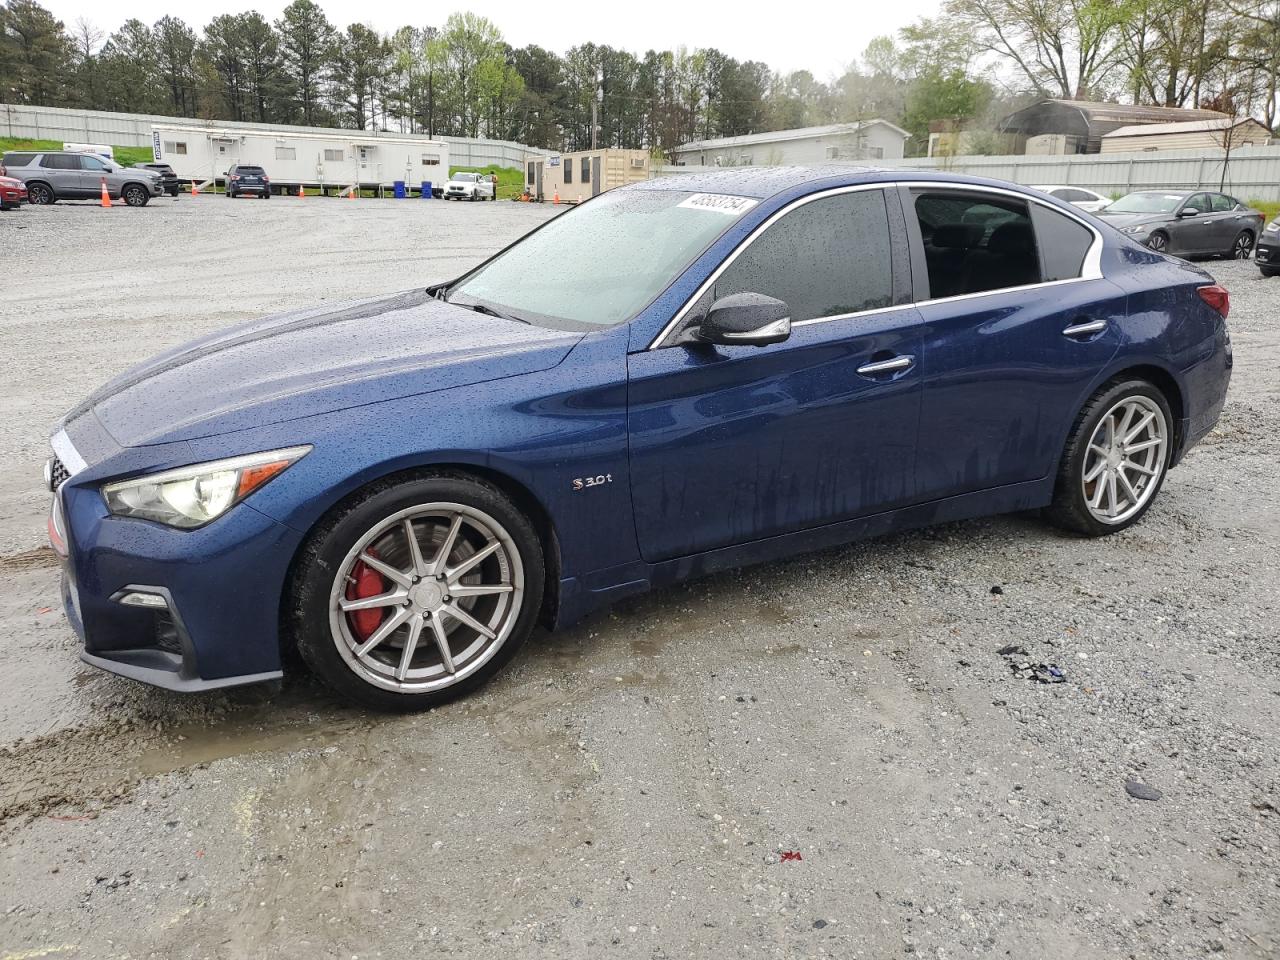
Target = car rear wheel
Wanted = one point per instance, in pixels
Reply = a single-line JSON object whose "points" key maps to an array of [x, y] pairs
{"points": [[41, 194], [1242, 249], [417, 591], [136, 196], [1159, 242], [1115, 460], [1270, 271]]}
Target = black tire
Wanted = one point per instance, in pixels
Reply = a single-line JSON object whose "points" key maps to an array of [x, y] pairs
{"points": [[1270, 271], [266, 196], [322, 558], [230, 194], [1159, 242], [1242, 247], [135, 196], [41, 194], [1069, 509]]}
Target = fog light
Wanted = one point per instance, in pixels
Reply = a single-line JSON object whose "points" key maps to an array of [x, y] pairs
{"points": [[136, 598]]}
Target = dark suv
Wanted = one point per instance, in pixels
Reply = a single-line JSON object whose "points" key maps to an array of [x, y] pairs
{"points": [[168, 179], [244, 179]]}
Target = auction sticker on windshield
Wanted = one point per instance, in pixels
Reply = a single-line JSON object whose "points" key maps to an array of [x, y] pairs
{"points": [[719, 203]]}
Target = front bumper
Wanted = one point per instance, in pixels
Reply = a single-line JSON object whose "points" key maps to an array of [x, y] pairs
{"points": [[1268, 251], [215, 621]]}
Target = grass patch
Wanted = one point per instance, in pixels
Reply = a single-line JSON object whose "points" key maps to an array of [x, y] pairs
{"points": [[125, 156], [1270, 207]]}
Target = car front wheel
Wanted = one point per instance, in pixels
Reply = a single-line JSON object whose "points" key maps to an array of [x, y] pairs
{"points": [[1159, 242], [1115, 460], [136, 196], [417, 590]]}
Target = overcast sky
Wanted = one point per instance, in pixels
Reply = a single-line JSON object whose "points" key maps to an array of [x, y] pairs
{"points": [[819, 38]]}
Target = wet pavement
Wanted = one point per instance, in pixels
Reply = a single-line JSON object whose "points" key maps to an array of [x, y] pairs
{"points": [[821, 757]]}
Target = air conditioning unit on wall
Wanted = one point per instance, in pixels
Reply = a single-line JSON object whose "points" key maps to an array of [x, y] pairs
{"points": [[637, 162]]}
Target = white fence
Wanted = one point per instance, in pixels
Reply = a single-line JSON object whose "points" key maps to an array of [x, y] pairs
{"points": [[134, 130], [1251, 173]]}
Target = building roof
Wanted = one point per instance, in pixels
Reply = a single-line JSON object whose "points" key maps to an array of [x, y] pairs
{"points": [[799, 133], [1186, 126]]}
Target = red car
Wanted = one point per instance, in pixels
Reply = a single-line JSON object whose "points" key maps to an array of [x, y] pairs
{"points": [[13, 193]]}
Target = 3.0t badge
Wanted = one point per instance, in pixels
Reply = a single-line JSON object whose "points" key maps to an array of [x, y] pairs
{"points": [[582, 483]]}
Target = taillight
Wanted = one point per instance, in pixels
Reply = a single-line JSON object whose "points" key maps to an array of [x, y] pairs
{"points": [[1217, 298], [266, 179]]}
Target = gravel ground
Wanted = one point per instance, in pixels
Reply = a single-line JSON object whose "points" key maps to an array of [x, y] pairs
{"points": [[657, 781]]}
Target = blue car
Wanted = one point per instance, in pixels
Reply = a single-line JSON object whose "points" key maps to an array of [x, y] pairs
{"points": [[677, 377]]}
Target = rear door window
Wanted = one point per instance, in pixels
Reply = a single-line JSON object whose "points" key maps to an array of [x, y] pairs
{"points": [[975, 243], [828, 257], [1063, 243], [1222, 203], [60, 161]]}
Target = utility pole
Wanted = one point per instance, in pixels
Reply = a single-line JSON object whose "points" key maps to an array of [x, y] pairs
{"points": [[595, 109]]}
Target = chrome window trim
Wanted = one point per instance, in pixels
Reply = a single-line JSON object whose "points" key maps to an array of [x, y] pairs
{"points": [[67, 453], [1090, 269]]}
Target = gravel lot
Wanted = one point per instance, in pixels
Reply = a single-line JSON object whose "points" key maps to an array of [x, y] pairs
{"points": [[820, 757]]}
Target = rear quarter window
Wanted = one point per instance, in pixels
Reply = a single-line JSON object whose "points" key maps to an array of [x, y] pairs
{"points": [[1063, 243], [16, 159]]}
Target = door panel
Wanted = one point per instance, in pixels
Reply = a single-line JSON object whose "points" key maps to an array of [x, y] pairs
{"points": [[732, 444], [1194, 235], [1002, 382]]}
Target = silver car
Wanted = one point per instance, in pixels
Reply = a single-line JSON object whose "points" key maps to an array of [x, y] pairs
{"points": [[1187, 222], [56, 175]]}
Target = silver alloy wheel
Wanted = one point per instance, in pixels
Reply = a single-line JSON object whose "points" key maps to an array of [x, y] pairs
{"points": [[1158, 242], [1124, 460], [453, 589], [1243, 246]]}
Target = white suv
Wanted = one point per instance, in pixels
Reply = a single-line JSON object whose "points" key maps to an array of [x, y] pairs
{"points": [[471, 186]]}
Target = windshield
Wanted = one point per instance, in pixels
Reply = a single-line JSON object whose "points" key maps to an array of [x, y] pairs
{"points": [[1147, 203], [601, 264], [465, 177]]}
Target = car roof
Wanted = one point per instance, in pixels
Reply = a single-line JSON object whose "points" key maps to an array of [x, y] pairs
{"points": [[1061, 186], [762, 183]]}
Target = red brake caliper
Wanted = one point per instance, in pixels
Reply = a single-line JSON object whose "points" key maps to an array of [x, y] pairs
{"points": [[367, 583]]}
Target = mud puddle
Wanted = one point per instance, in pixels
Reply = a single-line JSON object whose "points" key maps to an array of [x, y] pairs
{"points": [[79, 771]]}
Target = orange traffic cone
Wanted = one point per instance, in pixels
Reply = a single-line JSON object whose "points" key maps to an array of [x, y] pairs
{"points": [[195, 191], [556, 199], [106, 197], [300, 193], [351, 193]]}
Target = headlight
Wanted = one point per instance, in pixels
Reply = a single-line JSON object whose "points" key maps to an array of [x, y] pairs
{"points": [[1274, 226], [192, 496], [1137, 229]]}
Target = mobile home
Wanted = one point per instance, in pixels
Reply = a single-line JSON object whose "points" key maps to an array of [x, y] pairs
{"points": [[320, 158], [574, 177]]}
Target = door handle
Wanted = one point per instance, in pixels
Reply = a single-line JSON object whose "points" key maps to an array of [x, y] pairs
{"points": [[886, 366], [1085, 329]]}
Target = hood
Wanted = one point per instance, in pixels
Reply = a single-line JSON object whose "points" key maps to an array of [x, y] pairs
{"points": [[1122, 220], [316, 361]]}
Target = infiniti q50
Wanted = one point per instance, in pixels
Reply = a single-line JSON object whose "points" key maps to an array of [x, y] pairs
{"points": [[676, 377]]}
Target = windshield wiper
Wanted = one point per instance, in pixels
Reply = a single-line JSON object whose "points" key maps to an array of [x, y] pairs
{"points": [[489, 311]]}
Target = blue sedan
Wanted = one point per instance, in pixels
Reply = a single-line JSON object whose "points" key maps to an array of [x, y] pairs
{"points": [[677, 377]]}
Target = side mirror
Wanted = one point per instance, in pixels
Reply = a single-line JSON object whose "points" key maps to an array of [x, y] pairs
{"points": [[749, 319], [1188, 212]]}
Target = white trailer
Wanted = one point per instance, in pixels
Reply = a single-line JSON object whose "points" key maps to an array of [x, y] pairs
{"points": [[328, 159]]}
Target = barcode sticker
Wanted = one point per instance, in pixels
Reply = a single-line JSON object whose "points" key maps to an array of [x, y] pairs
{"points": [[719, 203]]}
